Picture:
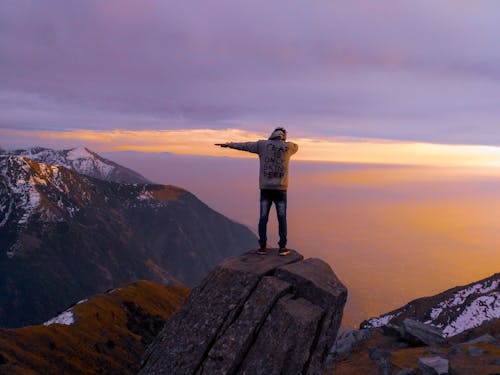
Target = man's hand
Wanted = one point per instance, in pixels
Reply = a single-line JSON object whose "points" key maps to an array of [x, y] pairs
{"points": [[222, 144]]}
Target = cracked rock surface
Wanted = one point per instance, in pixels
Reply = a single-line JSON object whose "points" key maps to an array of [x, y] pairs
{"points": [[253, 314]]}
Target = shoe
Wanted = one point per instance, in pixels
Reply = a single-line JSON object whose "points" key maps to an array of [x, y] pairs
{"points": [[284, 251], [262, 250]]}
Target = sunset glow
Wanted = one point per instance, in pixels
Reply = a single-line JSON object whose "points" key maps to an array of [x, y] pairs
{"points": [[394, 106], [201, 142]]}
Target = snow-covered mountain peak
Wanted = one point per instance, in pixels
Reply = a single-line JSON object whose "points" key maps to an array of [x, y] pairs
{"points": [[79, 153], [84, 161]]}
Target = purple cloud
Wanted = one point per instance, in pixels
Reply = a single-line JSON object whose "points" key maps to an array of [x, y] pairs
{"points": [[387, 70]]}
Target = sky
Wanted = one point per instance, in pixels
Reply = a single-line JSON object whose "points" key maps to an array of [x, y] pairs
{"points": [[370, 76], [395, 106]]}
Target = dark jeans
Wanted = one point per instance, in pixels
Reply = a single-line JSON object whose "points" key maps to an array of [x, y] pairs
{"points": [[267, 198]]}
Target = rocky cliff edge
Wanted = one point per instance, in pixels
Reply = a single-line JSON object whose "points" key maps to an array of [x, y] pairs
{"points": [[253, 314]]}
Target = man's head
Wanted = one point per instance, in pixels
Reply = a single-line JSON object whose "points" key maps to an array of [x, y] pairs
{"points": [[278, 133]]}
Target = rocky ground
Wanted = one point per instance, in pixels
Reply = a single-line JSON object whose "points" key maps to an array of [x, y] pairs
{"points": [[385, 351], [256, 314]]}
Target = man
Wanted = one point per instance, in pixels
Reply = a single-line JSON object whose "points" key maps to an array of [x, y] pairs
{"points": [[274, 154]]}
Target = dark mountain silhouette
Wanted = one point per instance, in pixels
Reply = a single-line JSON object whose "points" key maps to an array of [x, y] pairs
{"points": [[65, 236]]}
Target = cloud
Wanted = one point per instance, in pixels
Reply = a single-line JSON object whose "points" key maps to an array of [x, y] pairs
{"points": [[388, 70], [201, 142]]}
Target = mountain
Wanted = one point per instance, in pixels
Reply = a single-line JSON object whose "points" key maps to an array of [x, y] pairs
{"points": [[453, 332], [83, 161], [452, 311], [65, 236], [251, 314], [106, 334]]}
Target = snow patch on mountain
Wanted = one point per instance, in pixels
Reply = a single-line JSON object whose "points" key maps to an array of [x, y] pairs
{"points": [[145, 196], [460, 297], [22, 185], [453, 311], [382, 320], [479, 311], [484, 305], [32, 202], [66, 318], [23, 182]]}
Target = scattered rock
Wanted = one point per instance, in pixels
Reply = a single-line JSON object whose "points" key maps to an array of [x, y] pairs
{"points": [[474, 351], [383, 358], [495, 362], [455, 350], [416, 331], [436, 351], [253, 314], [384, 366], [407, 371], [377, 354], [392, 330], [347, 340], [487, 338], [434, 366], [400, 345]]}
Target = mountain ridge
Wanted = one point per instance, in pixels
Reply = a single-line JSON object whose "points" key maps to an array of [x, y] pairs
{"points": [[453, 311], [134, 310], [83, 161], [65, 236], [108, 333]]}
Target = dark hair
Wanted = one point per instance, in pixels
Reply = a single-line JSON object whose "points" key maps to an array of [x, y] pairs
{"points": [[281, 128]]}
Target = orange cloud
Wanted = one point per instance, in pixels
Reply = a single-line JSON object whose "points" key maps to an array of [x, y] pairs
{"points": [[201, 142]]}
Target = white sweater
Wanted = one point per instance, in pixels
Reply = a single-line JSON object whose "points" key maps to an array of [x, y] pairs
{"points": [[274, 155]]}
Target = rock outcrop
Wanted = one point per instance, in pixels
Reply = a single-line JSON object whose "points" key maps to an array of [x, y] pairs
{"points": [[253, 314]]}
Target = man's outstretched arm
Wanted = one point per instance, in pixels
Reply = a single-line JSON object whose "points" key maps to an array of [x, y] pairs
{"points": [[243, 146]]}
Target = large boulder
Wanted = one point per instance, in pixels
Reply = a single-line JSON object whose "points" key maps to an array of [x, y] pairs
{"points": [[253, 314], [415, 331], [434, 366]]}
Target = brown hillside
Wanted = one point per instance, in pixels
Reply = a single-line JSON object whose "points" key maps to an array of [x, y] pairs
{"points": [[109, 334]]}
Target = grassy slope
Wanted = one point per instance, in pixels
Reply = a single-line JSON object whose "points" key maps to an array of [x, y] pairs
{"points": [[109, 335]]}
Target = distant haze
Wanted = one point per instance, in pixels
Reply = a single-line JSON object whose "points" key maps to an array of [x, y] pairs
{"points": [[390, 233]]}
